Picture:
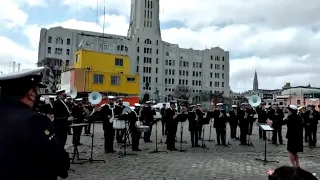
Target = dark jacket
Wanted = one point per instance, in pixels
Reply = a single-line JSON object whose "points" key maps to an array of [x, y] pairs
{"points": [[220, 122], [276, 115], [28, 149], [262, 115]]}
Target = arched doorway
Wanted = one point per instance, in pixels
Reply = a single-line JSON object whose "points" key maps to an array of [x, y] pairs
{"points": [[146, 97]]}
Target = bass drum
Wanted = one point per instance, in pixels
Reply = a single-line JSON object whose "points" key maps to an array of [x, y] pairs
{"points": [[119, 124]]}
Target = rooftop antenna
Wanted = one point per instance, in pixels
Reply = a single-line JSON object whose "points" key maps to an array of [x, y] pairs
{"points": [[14, 66], [104, 21]]}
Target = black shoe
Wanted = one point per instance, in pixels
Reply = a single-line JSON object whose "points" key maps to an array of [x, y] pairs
{"points": [[197, 145], [173, 149], [217, 144], [136, 150], [112, 151]]}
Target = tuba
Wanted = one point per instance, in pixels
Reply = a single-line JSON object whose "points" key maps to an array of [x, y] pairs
{"points": [[254, 100]]}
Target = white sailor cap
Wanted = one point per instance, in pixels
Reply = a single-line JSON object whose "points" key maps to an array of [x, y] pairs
{"points": [[219, 104], [234, 106], [42, 99], [111, 97], [25, 77], [148, 102], [60, 91], [52, 97], [199, 104], [79, 99], [137, 105], [193, 106], [293, 107]]}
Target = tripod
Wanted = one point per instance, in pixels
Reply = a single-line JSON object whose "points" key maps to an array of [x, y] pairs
{"points": [[265, 154], [181, 134], [156, 150], [91, 160], [124, 154]]}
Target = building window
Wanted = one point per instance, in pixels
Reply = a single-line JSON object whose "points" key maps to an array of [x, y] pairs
{"points": [[298, 102], [98, 78], [49, 39], [138, 49], [68, 41], [68, 52], [118, 62], [49, 50], [77, 58], [58, 51], [67, 62], [115, 80], [137, 69], [131, 79], [59, 40]]}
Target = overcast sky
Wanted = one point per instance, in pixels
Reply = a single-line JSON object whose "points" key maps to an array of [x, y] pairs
{"points": [[280, 39]]}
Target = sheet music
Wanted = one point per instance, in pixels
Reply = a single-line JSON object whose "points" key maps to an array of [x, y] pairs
{"points": [[266, 127]]}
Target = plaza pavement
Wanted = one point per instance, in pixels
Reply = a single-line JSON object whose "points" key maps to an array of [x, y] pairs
{"points": [[214, 162]]}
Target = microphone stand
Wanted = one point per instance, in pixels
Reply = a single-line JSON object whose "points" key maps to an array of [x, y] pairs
{"points": [[156, 150]]}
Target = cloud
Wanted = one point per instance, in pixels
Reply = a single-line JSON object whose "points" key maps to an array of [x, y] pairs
{"points": [[278, 39], [11, 15], [13, 52]]}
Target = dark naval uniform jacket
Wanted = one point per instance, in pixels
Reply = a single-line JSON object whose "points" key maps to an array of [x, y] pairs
{"points": [[28, 148]]}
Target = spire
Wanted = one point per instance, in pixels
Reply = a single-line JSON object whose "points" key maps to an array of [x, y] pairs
{"points": [[255, 82]]}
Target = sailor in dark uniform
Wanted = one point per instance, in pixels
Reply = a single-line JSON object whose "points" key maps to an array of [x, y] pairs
{"points": [[118, 110], [107, 114], [234, 121], [193, 126], [220, 119], [61, 118], [28, 148], [172, 123], [200, 115], [147, 117], [78, 117], [135, 134], [163, 120]]}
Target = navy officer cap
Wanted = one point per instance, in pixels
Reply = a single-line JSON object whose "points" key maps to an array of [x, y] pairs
{"points": [[24, 80]]}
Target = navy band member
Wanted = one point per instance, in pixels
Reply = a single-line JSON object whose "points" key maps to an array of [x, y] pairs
{"points": [[276, 115], [147, 117], [200, 115], [220, 119], [78, 115], [28, 149], [163, 120], [118, 110], [172, 123], [193, 126], [234, 121], [61, 115], [107, 114], [135, 134]]}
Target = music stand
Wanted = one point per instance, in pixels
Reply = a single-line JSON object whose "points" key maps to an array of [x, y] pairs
{"points": [[75, 147], [265, 128], [156, 150], [124, 154], [91, 160]]}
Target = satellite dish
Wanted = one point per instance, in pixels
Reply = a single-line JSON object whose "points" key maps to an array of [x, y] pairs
{"points": [[95, 98], [73, 93], [254, 101]]}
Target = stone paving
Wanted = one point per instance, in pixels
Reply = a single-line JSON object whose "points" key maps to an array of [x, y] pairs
{"points": [[214, 162]]}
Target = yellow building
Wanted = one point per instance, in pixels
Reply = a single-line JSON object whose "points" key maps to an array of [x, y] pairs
{"points": [[102, 72]]}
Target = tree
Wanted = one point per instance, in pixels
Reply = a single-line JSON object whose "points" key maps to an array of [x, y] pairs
{"points": [[52, 75], [205, 95], [217, 97], [182, 92]]}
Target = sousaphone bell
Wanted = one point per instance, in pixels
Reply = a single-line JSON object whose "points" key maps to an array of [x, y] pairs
{"points": [[73, 93], [95, 98], [254, 100]]}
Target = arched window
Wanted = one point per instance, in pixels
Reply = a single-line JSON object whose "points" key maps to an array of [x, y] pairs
{"points": [[59, 40], [147, 41], [167, 53]]}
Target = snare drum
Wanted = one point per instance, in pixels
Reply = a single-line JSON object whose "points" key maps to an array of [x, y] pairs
{"points": [[119, 124], [138, 123], [143, 128]]}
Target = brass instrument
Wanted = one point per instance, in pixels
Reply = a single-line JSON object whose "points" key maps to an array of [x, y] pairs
{"points": [[112, 113]]}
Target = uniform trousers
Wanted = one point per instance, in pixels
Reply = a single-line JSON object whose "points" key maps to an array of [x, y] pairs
{"points": [[194, 138], [200, 131], [244, 128], [221, 135], [164, 130], [147, 135], [108, 139], [76, 135], [61, 132], [277, 132], [171, 136], [119, 135], [312, 135], [135, 136], [233, 130]]}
